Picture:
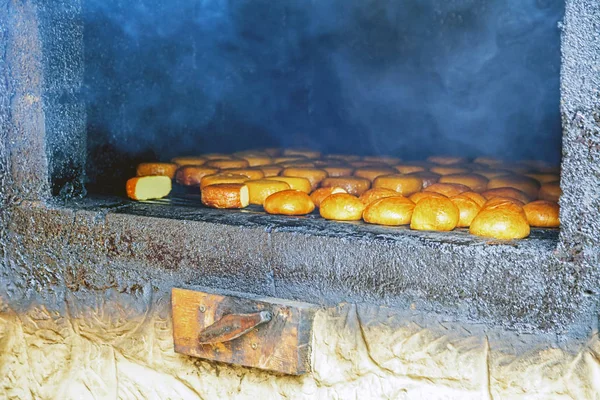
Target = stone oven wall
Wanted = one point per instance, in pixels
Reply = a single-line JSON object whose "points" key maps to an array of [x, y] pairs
{"points": [[81, 316]]}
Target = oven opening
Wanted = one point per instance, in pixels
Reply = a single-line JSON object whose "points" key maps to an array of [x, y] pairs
{"points": [[365, 85]]}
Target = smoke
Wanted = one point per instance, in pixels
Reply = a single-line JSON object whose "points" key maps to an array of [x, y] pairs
{"points": [[406, 77]]}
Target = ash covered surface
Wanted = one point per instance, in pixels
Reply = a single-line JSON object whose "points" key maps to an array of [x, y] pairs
{"points": [[308, 259]]}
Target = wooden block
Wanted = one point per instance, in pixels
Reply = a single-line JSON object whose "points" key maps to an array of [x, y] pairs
{"points": [[282, 344]]}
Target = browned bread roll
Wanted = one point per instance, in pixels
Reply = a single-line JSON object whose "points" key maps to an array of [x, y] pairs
{"points": [[435, 214], [417, 197], [491, 173], [302, 152], [228, 164], [260, 189], [448, 170], [270, 170], [489, 161], [295, 182], [255, 160], [542, 214], [157, 169], [476, 183], [527, 185], [298, 164], [285, 159], [342, 207], [391, 211], [189, 160], [191, 175], [289, 202], [148, 187], [225, 195], [403, 184], [409, 168], [501, 221], [338, 170], [371, 173], [502, 200], [447, 189], [428, 177], [221, 178], [506, 192], [314, 175], [476, 197], [467, 208], [320, 194], [372, 195], [351, 184], [550, 191], [251, 173], [446, 160]]}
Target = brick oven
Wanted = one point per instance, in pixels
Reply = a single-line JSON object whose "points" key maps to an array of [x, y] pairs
{"points": [[86, 275]]}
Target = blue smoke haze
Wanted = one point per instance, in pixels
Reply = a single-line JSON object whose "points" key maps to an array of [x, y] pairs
{"points": [[403, 77]]}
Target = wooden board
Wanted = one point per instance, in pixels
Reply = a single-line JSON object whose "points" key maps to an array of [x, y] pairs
{"points": [[281, 345]]}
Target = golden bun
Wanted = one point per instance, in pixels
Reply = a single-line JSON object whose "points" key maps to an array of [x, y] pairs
{"points": [[295, 182], [428, 177], [225, 195], [476, 197], [302, 152], [322, 193], [542, 214], [409, 168], [289, 202], [351, 184], [260, 189], [448, 170], [251, 173], [314, 175], [148, 187], [157, 169], [270, 170], [403, 184], [371, 173], [228, 164], [191, 175], [417, 197], [338, 170], [391, 211], [502, 221], [188, 160], [342, 207], [527, 185], [475, 182], [219, 178], [467, 208], [506, 192], [447, 189], [435, 214], [372, 195]]}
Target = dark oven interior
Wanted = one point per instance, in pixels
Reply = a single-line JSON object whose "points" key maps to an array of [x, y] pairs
{"points": [[404, 79]]}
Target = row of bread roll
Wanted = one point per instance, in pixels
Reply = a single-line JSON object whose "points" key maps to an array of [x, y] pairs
{"points": [[305, 179], [361, 173]]}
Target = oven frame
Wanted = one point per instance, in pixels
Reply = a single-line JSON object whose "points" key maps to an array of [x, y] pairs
{"points": [[546, 284]]}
